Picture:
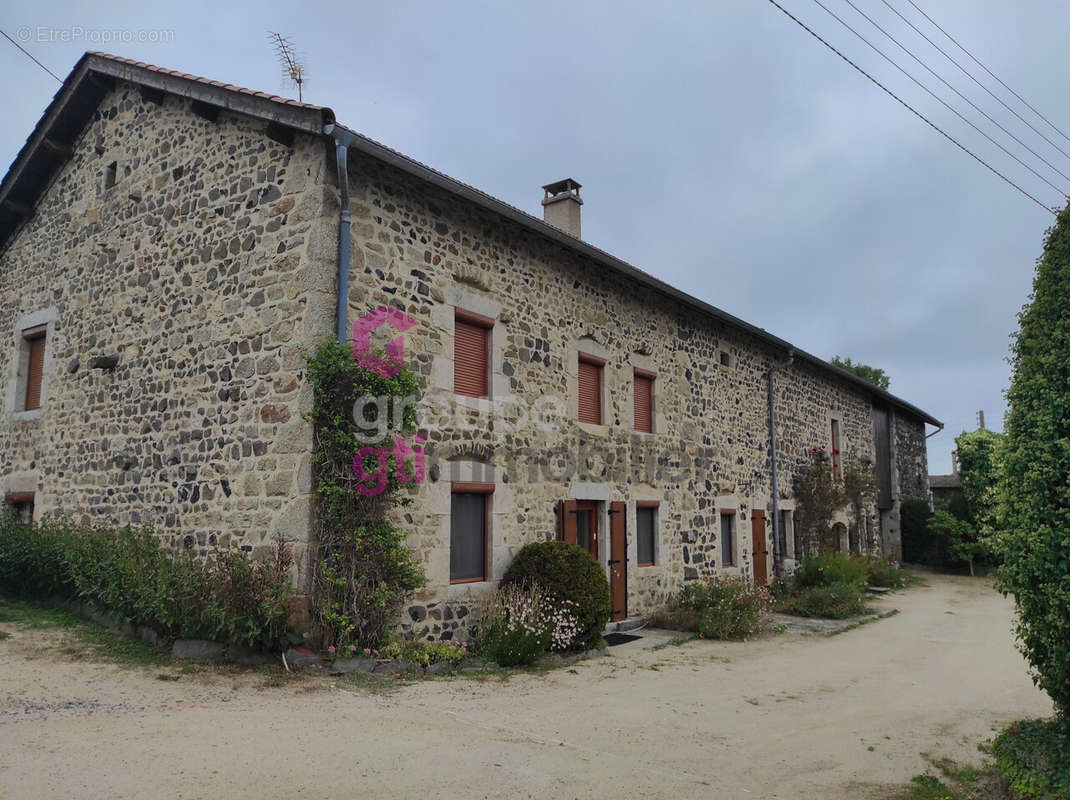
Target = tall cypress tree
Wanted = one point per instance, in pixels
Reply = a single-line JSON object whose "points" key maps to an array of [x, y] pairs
{"points": [[1034, 535]]}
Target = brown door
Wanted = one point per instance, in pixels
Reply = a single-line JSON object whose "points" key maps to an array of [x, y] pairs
{"points": [[618, 562], [758, 547]]}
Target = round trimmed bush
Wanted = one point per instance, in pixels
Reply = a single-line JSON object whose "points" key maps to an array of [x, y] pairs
{"points": [[567, 572]]}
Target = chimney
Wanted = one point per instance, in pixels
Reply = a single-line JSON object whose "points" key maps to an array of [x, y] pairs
{"points": [[561, 206]]}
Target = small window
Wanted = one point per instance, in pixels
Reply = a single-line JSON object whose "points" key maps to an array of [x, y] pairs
{"points": [[726, 359], [35, 369], [590, 390], [469, 515], [728, 544], [21, 505], [646, 518], [110, 174], [471, 351], [644, 402], [837, 470]]}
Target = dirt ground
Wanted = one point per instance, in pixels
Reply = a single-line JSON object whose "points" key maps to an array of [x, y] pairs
{"points": [[786, 716]]}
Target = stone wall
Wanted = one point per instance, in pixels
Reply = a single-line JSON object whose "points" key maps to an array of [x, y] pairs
{"points": [[207, 268], [429, 254]]}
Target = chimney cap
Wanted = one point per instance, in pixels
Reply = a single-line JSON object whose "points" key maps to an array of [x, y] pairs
{"points": [[566, 185]]}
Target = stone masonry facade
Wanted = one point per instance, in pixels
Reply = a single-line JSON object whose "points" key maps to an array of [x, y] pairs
{"points": [[199, 268], [207, 266]]}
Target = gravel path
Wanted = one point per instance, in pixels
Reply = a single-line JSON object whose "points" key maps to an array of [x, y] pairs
{"points": [[786, 716]]}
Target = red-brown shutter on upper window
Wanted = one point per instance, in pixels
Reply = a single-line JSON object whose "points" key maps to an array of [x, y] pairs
{"points": [[35, 373], [644, 403], [590, 392], [470, 358]]}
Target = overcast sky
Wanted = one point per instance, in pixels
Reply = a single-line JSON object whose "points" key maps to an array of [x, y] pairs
{"points": [[719, 146]]}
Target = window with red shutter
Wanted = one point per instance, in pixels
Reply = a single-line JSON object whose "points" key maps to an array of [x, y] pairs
{"points": [[644, 402], [590, 390], [35, 372], [471, 364]]}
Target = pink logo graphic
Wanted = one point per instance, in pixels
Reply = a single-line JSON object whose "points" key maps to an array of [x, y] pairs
{"points": [[395, 349]]}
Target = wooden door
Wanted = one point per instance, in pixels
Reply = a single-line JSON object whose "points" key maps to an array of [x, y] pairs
{"points": [[618, 562], [759, 548]]}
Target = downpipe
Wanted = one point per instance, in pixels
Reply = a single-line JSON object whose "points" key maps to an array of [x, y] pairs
{"points": [[341, 149], [778, 556]]}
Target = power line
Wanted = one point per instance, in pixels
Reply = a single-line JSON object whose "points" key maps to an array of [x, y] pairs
{"points": [[968, 75], [935, 96], [956, 91], [27, 54], [986, 69], [912, 110]]}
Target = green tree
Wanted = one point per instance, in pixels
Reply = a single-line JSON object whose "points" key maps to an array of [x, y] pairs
{"points": [[1034, 523], [980, 463], [878, 377], [956, 538]]}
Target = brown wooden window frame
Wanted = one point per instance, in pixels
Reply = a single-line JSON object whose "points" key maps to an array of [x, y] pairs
{"points": [[485, 489], [654, 506], [32, 393], [728, 512], [643, 375], [600, 366], [473, 320]]}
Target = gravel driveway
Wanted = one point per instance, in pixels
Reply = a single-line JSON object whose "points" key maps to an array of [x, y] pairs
{"points": [[787, 716]]}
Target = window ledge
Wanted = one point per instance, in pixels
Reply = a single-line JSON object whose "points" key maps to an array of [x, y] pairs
{"points": [[26, 416], [646, 436], [472, 589], [594, 430]]}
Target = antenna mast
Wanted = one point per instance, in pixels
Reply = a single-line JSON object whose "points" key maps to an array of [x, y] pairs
{"points": [[292, 68]]}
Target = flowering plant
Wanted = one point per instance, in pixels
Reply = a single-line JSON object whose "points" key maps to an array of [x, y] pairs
{"points": [[519, 621]]}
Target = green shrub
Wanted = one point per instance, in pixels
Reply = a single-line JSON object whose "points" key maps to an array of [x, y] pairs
{"points": [[826, 569], [229, 599], [513, 624], [830, 601], [881, 572], [1034, 756], [32, 560], [719, 608], [1031, 534], [364, 573], [566, 573]]}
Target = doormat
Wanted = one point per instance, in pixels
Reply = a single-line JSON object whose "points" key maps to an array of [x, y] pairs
{"points": [[620, 638]]}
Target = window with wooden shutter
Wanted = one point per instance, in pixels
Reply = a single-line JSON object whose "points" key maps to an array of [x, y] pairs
{"points": [[728, 544], [34, 371], [469, 531], [644, 402], [590, 390], [645, 532], [471, 363]]}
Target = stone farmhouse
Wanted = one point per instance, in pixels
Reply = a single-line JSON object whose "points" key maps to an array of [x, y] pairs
{"points": [[173, 248]]}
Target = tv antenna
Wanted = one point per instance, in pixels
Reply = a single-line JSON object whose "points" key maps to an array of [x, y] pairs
{"points": [[292, 68]]}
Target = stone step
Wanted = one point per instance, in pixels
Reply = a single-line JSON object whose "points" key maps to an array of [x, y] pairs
{"points": [[629, 624]]}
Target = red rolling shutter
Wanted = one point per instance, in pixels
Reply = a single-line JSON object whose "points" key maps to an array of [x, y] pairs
{"points": [[590, 392], [35, 373], [470, 359], [644, 403]]}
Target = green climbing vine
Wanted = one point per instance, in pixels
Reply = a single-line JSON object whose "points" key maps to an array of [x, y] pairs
{"points": [[361, 461]]}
